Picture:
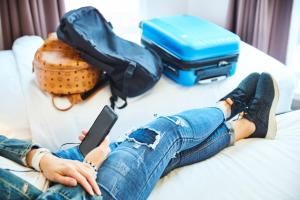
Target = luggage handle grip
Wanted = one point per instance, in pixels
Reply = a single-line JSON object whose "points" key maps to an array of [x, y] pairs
{"points": [[212, 75], [212, 79]]}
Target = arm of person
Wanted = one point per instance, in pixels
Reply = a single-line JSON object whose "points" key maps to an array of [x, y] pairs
{"points": [[15, 150], [98, 155], [66, 172], [71, 172]]}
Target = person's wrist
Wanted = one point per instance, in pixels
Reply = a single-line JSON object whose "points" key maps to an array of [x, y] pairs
{"points": [[46, 161], [37, 157], [29, 157], [92, 165]]}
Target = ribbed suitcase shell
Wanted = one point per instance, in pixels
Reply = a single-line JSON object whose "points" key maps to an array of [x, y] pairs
{"points": [[191, 48]]}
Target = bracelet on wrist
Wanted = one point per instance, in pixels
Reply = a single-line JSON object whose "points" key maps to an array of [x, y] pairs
{"points": [[91, 164]]}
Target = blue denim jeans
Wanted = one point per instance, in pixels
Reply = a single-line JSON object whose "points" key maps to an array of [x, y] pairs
{"points": [[150, 152], [135, 165]]}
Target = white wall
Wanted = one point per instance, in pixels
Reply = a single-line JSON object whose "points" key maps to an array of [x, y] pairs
{"points": [[158, 8], [293, 50], [1, 38], [213, 10], [294, 34], [123, 14]]}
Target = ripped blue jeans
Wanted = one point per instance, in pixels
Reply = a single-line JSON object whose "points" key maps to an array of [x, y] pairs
{"points": [[135, 165]]}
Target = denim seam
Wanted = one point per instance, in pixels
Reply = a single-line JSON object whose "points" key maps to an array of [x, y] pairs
{"points": [[189, 154], [107, 190], [206, 145], [176, 141], [16, 188], [193, 139], [115, 170]]}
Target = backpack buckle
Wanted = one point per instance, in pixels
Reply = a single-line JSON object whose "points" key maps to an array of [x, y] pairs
{"points": [[130, 69]]}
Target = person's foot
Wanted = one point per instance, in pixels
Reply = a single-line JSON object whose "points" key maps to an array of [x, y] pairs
{"points": [[261, 109], [240, 97]]}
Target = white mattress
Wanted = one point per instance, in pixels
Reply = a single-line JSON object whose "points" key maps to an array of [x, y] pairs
{"points": [[252, 169]]}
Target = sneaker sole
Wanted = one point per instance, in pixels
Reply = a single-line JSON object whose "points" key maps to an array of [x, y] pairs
{"points": [[272, 127]]}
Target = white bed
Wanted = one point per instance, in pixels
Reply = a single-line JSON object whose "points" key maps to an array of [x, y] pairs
{"points": [[251, 169]]}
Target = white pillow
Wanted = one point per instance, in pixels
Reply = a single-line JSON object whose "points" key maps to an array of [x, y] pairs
{"points": [[51, 128], [13, 115]]}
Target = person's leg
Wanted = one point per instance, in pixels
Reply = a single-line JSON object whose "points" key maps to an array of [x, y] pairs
{"points": [[134, 167], [149, 138], [224, 136], [257, 120], [214, 143], [217, 141]]}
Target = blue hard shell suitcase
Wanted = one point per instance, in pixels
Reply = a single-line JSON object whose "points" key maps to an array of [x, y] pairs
{"points": [[193, 50]]}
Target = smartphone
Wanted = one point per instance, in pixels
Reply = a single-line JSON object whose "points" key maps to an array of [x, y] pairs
{"points": [[99, 130]]}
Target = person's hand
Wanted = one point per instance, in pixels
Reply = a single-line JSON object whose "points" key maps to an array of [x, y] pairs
{"points": [[99, 154], [69, 173]]}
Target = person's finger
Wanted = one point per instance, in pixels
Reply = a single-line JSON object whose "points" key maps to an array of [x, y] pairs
{"points": [[68, 181], [81, 137], [81, 180], [90, 175], [89, 169], [84, 132]]}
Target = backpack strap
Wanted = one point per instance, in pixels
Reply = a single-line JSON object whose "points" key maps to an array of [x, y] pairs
{"points": [[123, 94]]}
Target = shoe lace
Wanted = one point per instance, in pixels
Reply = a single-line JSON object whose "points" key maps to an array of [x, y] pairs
{"points": [[253, 111], [239, 98]]}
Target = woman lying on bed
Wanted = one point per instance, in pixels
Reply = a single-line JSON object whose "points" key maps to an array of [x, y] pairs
{"points": [[130, 169]]}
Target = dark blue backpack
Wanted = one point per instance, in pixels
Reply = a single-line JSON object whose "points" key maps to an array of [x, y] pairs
{"points": [[130, 69]]}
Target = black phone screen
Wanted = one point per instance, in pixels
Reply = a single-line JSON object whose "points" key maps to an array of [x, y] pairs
{"points": [[99, 130]]}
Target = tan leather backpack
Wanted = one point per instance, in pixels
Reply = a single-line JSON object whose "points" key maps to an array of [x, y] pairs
{"points": [[60, 71]]}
